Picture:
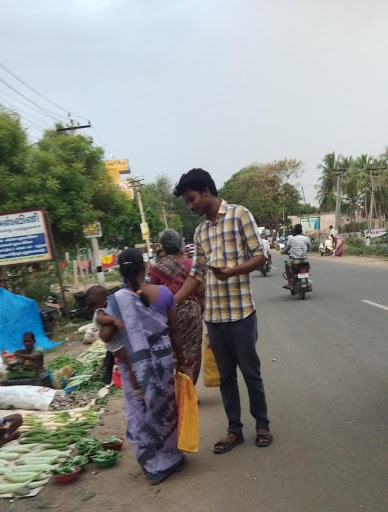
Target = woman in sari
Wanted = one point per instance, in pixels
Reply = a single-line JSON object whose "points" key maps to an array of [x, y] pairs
{"points": [[338, 245], [148, 313], [172, 271]]}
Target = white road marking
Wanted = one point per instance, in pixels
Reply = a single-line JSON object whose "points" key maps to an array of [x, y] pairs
{"points": [[375, 304], [276, 268]]}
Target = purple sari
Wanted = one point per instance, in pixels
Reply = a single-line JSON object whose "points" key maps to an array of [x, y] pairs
{"points": [[152, 422]]}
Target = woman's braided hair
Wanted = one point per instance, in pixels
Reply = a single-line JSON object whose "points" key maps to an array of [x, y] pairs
{"points": [[131, 264]]}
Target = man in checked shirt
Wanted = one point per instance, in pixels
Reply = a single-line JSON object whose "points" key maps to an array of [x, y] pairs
{"points": [[228, 248]]}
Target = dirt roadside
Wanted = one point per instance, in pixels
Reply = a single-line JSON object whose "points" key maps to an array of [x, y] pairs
{"points": [[355, 260]]}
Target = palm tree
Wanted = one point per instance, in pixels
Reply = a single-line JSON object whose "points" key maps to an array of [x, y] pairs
{"points": [[360, 171], [326, 187]]}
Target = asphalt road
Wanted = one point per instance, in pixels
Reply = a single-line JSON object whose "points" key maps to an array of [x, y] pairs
{"points": [[324, 363]]}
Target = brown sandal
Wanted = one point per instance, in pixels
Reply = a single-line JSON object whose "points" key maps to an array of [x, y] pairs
{"points": [[224, 446], [263, 433]]}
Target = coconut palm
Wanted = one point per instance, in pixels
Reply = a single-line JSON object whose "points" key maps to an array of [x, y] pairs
{"points": [[326, 187]]}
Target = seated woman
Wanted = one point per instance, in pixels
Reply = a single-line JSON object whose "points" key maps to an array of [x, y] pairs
{"points": [[8, 428], [31, 356]]}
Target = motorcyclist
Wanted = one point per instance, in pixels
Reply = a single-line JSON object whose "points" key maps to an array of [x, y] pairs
{"points": [[297, 248], [267, 249]]}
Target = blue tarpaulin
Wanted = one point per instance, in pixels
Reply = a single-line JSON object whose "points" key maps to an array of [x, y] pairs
{"points": [[19, 315]]}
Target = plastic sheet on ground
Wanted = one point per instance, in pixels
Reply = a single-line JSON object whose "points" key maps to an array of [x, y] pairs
{"points": [[19, 315]]}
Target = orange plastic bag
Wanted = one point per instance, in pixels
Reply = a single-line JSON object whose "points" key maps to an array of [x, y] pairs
{"points": [[211, 376], [188, 421]]}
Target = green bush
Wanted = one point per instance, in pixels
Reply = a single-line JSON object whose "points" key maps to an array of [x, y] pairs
{"points": [[315, 247], [354, 242]]}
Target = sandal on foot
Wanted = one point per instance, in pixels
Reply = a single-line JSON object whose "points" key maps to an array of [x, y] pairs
{"points": [[224, 446], [263, 433]]}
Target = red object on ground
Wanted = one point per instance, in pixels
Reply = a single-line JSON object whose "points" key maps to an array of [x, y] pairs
{"points": [[68, 479], [116, 379], [113, 446]]}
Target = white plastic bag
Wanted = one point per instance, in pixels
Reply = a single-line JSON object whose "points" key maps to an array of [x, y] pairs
{"points": [[28, 398], [91, 335]]}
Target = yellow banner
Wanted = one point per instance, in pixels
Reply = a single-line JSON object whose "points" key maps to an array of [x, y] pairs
{"points": [[115, 167]]}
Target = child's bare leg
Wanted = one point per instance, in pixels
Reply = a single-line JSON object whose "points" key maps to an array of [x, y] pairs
{"points": [[122, 356]]}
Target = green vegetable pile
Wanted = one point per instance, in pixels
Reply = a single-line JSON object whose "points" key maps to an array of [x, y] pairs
{"points": [[63, 469], [64, 360], [103, 455], [112, 440], [63, 437], [87, 446]]}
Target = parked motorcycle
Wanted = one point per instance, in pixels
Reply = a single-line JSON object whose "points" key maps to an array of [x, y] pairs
{"points": [[300, 279], [326, 249]]}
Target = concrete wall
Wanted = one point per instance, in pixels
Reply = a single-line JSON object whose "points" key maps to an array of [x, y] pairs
{"points": [[326, 220]]}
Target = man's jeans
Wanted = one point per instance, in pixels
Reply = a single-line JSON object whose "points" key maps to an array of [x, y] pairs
{"points": [[233, 343]]}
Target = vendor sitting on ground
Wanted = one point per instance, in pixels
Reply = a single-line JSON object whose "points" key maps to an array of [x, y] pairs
{"points": [[31, 356], [8, 428]]}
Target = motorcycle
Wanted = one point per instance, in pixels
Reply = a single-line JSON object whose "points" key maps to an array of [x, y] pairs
{"points": [[300, 279], [326, 249], [265, 269]]}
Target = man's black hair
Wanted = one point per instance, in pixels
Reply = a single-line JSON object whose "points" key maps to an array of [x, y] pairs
{"points": [[298, 229], [196, 179]]}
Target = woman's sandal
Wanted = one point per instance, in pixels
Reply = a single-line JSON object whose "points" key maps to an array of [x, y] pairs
{"points": [[263, 433], [224, 446]]}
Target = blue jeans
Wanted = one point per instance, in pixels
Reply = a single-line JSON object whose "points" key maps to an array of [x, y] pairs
{"points": [[233, 343]]}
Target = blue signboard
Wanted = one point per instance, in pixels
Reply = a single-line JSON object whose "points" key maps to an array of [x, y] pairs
{"points": [[24, 238]]}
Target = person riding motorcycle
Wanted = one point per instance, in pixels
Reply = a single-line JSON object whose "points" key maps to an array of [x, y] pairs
{"points": [[297, 248], [267, 249]]}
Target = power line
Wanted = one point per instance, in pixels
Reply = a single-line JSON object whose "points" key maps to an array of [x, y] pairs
{"points": [[23, 117], [98, 136], [25, 97], [19, 110], [28, 106], [38, 93]]}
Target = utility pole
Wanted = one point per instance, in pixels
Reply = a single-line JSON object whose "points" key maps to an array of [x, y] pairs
{"points": [[72, 127], [373, 175], [338, 198], [97, 262], [304, 199], [165, 216], [146, 236]]}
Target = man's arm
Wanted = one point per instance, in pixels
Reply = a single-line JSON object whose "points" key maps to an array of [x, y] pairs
{"points": [[196, 277], [189, 288]]}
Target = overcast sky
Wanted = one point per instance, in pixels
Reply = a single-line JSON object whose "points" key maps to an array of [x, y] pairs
{"points": [[218, 84]]}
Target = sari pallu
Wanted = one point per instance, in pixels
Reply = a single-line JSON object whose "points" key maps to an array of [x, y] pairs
{"points": [[152, 422], [171, 273]]}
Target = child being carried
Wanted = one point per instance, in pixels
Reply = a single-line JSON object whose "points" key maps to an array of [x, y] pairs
{"points": [[97, 300]]}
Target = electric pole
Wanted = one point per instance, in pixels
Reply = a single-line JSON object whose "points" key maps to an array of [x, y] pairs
{"points": [[72, 127], [165, 217], [304, 199], [373, 175], [338, 198], [145, 232]]}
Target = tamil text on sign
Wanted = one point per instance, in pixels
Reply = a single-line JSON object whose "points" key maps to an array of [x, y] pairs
{"points": [[24, 238]]}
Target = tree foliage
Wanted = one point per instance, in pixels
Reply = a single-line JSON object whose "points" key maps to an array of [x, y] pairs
{"points": [[265, 190], [66, 176], [356, 175]]}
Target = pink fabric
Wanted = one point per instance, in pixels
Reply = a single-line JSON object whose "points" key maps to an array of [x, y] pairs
{"points": [[340, 246]]}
